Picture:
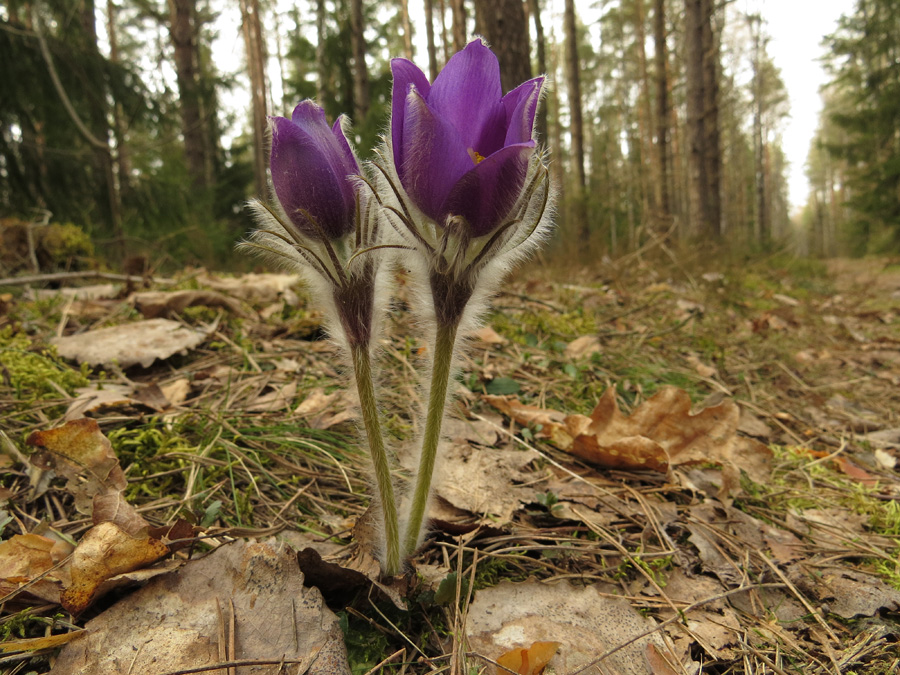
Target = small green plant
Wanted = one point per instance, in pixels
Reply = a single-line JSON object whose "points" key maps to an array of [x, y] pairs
{"points": [[36, 372]]}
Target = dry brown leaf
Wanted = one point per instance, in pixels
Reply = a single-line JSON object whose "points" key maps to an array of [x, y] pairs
{"points": [[174, 620], [153, 304], [23, 557], [487, 336], [94, 400], [111, 507], [105, 551], [79, 452], [582, 346], [140, 343], [585, 622], [526, 415], [279, 398], [327, 410], [849, 593], [176, 392], [90, 292], [660, 661], [485, 481], [660, 433], [702, 369], [528, 660], [256, 288]]}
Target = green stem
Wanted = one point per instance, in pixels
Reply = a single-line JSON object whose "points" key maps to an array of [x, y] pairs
{"points": [[437, 399], [362, 366]]}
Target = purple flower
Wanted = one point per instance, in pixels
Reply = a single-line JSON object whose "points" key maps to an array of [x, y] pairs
{"points": [[311, 165], [460, 147]]}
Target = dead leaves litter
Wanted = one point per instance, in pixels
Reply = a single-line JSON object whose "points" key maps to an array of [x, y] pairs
{"points": [[243, 601], [139, 343], [660, 433]]}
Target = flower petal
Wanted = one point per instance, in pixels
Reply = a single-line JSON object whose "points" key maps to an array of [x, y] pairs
{"points": [[435, 157], [304, 177], [487, 193], [406, 74], [351, 165], [467, 93], [520, 106]]}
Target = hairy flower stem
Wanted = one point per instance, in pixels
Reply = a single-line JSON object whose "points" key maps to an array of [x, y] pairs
{"points": [[437, 399], [362, 366]]}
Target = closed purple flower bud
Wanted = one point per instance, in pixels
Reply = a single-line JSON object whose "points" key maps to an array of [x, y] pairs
{"points": [[460, 147], [311, 169]]}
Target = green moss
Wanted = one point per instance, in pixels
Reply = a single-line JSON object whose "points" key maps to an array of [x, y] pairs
{"points": [[35, 372]]}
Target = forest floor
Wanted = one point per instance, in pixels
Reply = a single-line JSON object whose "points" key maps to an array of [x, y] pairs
{"points": [[757, 534]]}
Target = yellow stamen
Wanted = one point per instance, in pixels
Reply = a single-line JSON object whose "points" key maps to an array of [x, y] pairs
{"points": [[476, 156]]}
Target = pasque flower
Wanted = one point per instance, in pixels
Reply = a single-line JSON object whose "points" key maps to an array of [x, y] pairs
{"points": [[465, 190], [311, 165], [460, 148], [323, 226]]}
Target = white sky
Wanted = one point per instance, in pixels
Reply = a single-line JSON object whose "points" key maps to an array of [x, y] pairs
{"points": [[797, 28]]}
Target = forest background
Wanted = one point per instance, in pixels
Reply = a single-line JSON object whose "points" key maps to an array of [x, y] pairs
{"points": [[664, 119]]}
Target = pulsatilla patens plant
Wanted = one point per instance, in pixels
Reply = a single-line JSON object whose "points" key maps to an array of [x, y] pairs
{"points": [[459, 186], [323, 226]]}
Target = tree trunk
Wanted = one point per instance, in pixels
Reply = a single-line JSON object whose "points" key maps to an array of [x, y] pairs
{"points": [[97, 122], [712, 144], [703, 125], [407, 30], [648, 178], [445, 42], [181, 30], [123, 157], [662, 107], [323, 87], [577, 125], [762, 230], [256, 59], [429, 34], [535, 6], [360, 71], [458, 8], [503, 24]]}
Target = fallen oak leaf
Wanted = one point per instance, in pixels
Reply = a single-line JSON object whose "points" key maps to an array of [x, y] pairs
{"points": [[659, 434], [105, 551], [528, 660], [139, 343], [24, 558], [79, 452], [845, 465], [153, 304]]}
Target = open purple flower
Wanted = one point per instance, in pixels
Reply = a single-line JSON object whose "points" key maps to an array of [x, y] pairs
{"points": [[311, 165], [460, 147]]}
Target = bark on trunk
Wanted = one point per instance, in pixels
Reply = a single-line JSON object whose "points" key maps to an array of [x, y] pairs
{"points": [[360, 71], [703, 113], [98, 124], [576, 125], [649, 173], [323, 88], [662, 106], [123, 157], [458, 8], [429, 34], [503, 24], [540, 41], [181, 31], [256, 59], [407, 30]]}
